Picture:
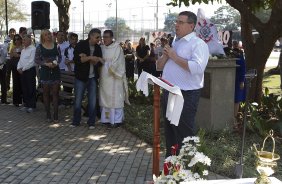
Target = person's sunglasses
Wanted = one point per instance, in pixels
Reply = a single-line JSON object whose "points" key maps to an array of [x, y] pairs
{"points": [[17, 38]]}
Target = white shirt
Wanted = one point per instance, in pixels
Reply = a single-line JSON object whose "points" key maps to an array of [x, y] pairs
{"points": [[27, 58], [91, 70], [63, 46], [196, 52]]}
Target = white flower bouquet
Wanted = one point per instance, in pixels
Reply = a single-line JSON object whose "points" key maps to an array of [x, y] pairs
{"points": [[190, 165]]}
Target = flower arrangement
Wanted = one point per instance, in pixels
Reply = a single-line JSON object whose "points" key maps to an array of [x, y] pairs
{"points": [[189, 165]]}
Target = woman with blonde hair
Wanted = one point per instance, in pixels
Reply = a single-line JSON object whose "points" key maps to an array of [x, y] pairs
{"points": [[46, 57]]}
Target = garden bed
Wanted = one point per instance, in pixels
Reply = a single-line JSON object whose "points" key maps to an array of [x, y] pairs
{"points": [[223, 147]]}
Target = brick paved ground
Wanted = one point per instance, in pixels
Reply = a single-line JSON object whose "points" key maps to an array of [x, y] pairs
{"points": [[34, 151]]}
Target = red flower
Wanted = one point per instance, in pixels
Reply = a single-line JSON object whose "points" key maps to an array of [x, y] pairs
{"points": [[174, 149], [167, 165], [177, 167]]}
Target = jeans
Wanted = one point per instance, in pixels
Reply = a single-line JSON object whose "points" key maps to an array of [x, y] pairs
{"points": [[79, 90], [186, 127]]}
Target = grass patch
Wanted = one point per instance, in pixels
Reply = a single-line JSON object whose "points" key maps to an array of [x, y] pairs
{"points": [[272, 82]]}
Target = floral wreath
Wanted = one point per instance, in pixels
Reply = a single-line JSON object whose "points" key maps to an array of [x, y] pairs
{"points": [[189, 165]]}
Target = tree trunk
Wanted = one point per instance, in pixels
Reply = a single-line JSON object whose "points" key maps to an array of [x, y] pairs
{"points": [[64, 19], [63, 14], [257, 52]]}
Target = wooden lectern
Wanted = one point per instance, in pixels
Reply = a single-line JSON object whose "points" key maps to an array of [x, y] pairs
{"points": [[142, 84]]}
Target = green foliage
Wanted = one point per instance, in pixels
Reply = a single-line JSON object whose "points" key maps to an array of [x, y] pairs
{"points": [[139, 121], [252, 4], [226, 18], [15, 12], [188, 2], [137, 96], [169, 22], [267, 115], [110, 23]]}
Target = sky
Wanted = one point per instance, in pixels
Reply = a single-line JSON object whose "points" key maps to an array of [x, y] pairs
{"points": [[137, 13]]}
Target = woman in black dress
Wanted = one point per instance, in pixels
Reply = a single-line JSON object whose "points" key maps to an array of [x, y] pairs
{"points": [[129, 61]]}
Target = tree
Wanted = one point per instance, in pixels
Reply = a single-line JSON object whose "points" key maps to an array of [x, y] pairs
{"points": [[226, 18], [257, 50], [110, 23], [14, 13], [169, 22], [63, 14]]}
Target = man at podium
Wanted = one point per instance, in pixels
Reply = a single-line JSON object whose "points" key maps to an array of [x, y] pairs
{"points": [[183, 65]]}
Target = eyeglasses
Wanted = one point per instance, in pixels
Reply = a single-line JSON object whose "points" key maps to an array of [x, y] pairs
{"points": [[97, 37], [180, 22], [17, 38]]}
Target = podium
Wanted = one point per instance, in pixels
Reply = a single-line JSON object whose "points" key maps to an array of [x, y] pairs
{"points": [[173, 111]]}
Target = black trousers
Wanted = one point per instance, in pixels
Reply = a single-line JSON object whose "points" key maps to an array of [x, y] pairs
{"points": [[186, 127], [8, 73], [28, 81], [17, 88], [3, 84]]}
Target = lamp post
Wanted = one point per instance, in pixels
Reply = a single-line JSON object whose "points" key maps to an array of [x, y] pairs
{"points": [[6, 16], [116, 23], [73, 18], [83, 19], [157, 14]]}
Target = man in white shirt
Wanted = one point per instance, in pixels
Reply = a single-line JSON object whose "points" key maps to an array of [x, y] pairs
{"points": [[73, 38], [183, 65], [62, 45], [26, 67]]}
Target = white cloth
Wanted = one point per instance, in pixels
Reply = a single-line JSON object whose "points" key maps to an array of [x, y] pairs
{"points": [[91, 69], [113, 91], [196, 52], [207, 31], [27, 58], [70, 56], [175, 98], [233, 181], [112, 115], [63, 46]]}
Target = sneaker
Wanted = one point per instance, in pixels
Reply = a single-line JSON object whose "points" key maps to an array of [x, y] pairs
{"points": [[24, 109], [73, 126], [29, 110], [91, 127]]}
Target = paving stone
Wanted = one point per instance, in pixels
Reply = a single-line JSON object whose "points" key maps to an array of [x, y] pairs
{"points": [[33, 151]]}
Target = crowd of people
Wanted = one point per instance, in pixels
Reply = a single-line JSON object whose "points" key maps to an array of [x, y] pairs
{"points": [[98, 55], [103, 67]]}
